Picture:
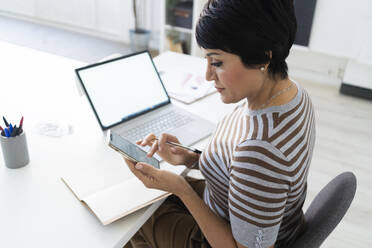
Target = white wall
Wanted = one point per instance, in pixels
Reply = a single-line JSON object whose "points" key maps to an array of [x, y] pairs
{"points": [[107, 19], [114, 18], [340, 44], [154, 13], [343, 28]]}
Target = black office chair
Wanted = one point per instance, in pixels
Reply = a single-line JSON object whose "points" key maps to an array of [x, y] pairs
{"points": [[327, 210]]}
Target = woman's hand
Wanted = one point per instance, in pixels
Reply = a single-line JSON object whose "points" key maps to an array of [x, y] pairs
{"points": [[172, 154], [155, 178]]}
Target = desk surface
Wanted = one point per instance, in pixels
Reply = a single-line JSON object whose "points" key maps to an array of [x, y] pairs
{"points": [[36, 208]]}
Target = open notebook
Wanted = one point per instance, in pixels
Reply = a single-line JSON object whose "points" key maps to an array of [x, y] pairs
{"points": [[115, 201]]}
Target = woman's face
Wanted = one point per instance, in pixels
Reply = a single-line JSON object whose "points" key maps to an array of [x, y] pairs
{"points": [[232, 79]]}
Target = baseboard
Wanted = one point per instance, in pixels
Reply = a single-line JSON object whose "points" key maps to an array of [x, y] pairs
{"points": [[352, 90], [358, 74]]}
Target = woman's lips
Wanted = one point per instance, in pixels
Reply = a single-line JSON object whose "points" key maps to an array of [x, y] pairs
{"points": [[219, 89]]}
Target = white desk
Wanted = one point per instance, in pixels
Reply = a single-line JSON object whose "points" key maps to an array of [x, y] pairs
{"points": [[36, 208]]}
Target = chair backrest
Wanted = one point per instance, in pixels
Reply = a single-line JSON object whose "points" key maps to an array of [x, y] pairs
{"points": [[327, 210]]}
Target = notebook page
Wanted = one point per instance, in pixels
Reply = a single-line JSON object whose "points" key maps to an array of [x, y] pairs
{"points": [[121, 199]]}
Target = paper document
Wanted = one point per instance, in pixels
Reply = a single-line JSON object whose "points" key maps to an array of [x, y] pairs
{"points": [[184, 76], [186, 86]]}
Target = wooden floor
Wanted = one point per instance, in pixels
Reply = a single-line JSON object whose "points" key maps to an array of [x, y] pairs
{"points": [[343, 143]]}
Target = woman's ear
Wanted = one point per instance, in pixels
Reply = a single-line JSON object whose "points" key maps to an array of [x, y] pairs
{"points": [[270, 54], [267, 66]]}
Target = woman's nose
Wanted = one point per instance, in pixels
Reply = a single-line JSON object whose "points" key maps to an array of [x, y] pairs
{"points": [[210, 73]]}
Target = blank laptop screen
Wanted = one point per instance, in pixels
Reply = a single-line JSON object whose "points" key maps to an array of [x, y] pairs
{"points": [[123, 88]]}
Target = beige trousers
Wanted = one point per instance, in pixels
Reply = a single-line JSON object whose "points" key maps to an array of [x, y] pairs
{"points": [[172, 225]]}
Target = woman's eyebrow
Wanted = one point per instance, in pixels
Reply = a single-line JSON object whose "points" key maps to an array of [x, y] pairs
{"points": [[212, 53]]}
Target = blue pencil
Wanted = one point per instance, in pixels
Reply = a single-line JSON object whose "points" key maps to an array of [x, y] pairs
{"points": [[10, 128], [7, 134]]}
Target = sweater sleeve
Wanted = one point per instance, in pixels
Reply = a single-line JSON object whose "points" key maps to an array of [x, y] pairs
{"points": [[258, 192]]}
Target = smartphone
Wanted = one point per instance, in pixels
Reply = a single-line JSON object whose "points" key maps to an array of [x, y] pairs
{"points": [[129, 150]]}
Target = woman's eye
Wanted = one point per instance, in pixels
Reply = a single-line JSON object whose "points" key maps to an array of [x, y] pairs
{"points": [[216, 64]]}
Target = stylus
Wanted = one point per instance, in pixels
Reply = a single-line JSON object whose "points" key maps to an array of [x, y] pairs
{"points": [[185, 147]]}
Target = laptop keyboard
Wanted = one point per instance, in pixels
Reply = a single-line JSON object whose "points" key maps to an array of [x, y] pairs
{"points": [[158, 125]]}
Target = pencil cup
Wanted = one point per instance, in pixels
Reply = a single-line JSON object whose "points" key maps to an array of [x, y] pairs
{"points": [[15, 151]]}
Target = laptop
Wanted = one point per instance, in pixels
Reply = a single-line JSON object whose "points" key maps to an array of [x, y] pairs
{"points": [[128, 97]]}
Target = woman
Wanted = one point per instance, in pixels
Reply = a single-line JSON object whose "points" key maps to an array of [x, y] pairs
{"points": [[256, 163]]}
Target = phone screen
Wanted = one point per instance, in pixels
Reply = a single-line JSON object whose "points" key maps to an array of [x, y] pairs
{"points": [[132, 151]]}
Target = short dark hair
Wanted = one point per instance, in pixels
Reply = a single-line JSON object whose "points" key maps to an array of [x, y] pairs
{"points": [[250, 29]]}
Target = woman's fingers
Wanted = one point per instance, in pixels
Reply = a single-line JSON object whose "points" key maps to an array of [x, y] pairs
{"points": [[148, 140], [129, 162], [142, 174], [172, 138], [177, 150], [154, 148], [160, 144], [131, 165], [146, 174], [163, 138]]}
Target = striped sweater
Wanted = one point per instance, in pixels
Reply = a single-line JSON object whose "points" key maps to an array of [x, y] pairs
{"points": [[256, 167]]}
